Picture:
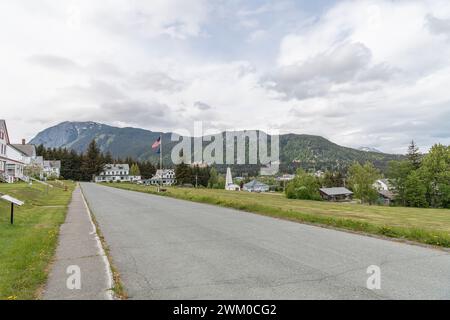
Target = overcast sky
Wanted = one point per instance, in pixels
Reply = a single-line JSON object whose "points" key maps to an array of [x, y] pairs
{"points": [[360, 73]]}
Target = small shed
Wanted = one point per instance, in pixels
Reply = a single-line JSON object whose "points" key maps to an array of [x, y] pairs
{"points": [[256, 186], [386, 197], [336, 194]]}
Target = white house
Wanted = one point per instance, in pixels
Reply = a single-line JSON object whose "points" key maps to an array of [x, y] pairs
{"points": [[116, 173], [12, 159], [256, 186], [16, 163], [165, 176], [52, 168]]}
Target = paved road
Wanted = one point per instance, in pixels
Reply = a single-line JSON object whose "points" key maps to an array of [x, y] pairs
{"points": [[172, 249], [79, 249]]}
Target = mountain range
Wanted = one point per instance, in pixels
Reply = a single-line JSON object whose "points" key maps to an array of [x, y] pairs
{"points": [[296, 150]]}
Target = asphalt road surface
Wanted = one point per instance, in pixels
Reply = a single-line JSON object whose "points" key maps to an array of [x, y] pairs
{"points": [[172, 249]]}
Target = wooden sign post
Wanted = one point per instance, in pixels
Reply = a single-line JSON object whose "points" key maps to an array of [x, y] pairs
{"points": [[12, 213], [13, 202]]}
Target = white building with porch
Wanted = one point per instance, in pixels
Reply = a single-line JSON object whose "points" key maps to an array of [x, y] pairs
{"points": [[12, 159], [116, 173], [166, 177]]}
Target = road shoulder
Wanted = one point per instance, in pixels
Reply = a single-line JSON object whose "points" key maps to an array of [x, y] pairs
{"points": [[80, 252]]}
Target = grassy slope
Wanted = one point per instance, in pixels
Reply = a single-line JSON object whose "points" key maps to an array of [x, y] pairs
{"points": [[429, 226], [27, 247]]}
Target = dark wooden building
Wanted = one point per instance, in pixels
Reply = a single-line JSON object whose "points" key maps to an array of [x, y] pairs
{"points": [[336, 194]]}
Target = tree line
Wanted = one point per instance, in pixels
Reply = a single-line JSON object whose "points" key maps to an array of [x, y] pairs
{"points": [[422, 180], [418, 181], [83, 166], [192, 175]]}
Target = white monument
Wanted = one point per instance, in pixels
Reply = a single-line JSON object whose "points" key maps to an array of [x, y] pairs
{"points": [[229, 185]]}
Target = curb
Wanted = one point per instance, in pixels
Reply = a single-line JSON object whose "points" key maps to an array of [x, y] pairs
{"points": [[101, 251]]}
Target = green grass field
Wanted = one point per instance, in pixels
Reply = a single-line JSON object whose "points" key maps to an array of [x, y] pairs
{"points": [[429, 226], [27, 247]]}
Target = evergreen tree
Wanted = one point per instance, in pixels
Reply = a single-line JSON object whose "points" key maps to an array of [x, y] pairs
{"points": [[213, 178], [108, 158], [414, 155], [398, 173], [92, 162], [415, 191], [183, 173], [74, 170], [200, 176], [147, 169], [332, 179]]}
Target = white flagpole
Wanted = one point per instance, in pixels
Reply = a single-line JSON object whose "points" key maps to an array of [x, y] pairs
{"points": [[160, 158]]}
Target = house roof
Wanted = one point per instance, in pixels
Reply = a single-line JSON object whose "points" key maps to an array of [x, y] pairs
{"points": [[163, 174], [27, 149], [255, 184], [387, 194], [117, 167], [39, 160], [337, 191]]}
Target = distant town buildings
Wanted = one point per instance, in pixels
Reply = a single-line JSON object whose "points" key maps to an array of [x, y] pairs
{"points": [[319, 174], [286, 177], [116, 173]]}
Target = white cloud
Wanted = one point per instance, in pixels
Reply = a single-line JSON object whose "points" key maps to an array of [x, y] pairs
{"points": [[381, 65], [363, 72]]}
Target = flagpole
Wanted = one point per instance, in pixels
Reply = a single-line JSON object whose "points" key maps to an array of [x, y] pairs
{"points": [[160, 158]]}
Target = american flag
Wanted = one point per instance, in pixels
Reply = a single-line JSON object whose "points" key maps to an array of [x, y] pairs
{"points": [[157, 143]]}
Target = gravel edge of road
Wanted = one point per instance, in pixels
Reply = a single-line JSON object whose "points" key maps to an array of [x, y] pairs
{"points": [[117, 289]]}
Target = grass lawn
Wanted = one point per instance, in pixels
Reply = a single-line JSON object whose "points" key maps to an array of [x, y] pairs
{"points": [[429, 226], [27, 247]]}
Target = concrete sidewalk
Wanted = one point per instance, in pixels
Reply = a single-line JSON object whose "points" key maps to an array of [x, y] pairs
{"points": [[79, 246]]}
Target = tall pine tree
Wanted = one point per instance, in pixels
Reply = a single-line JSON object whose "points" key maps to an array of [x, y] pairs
{"points": [[92, 162], [414, 155]]}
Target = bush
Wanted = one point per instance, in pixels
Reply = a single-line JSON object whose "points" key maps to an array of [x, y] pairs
{"points": [[303, 186]]}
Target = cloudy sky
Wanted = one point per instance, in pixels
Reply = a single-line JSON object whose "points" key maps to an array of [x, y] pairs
{"points": [[360, 73]]}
